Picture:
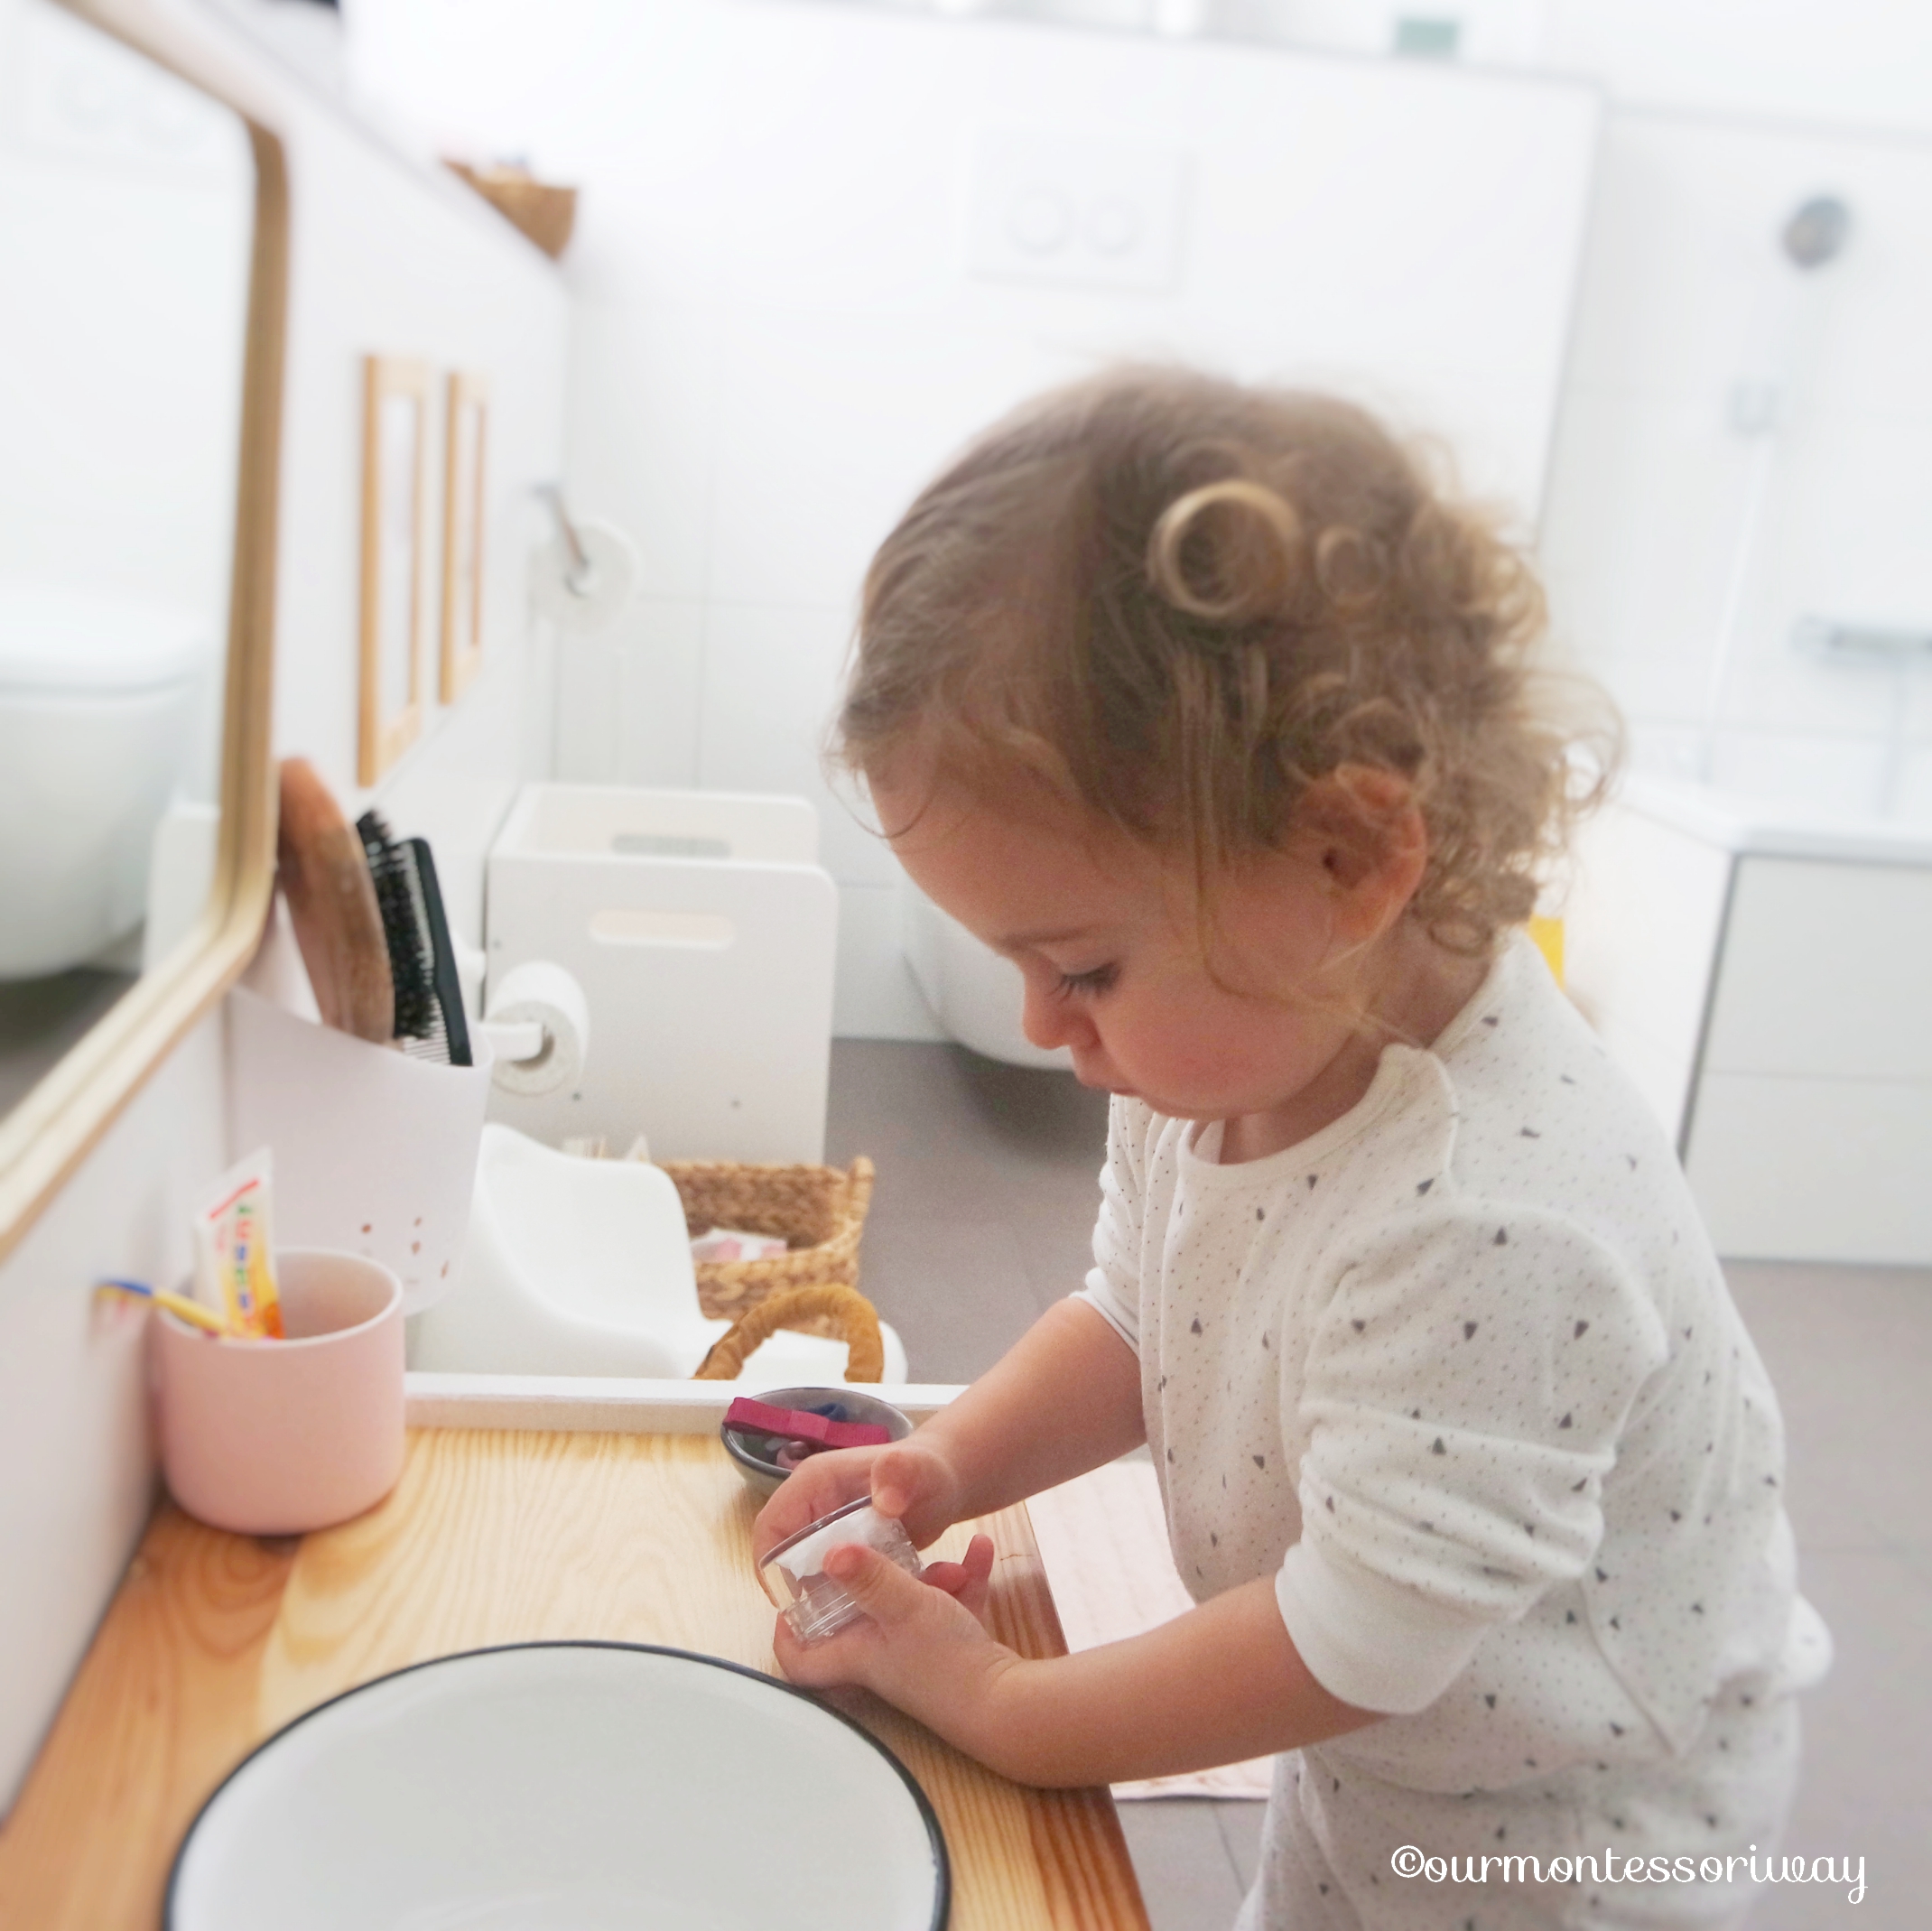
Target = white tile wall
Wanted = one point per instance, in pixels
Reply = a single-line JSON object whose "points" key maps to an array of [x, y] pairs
{"points": [[1646, 498], [1858, 63], [776, 343], [645, 358], [829, 426], [780, 337], [1834, 774], [589, 682], [1685, 294], [660, 693], [771, 674]]}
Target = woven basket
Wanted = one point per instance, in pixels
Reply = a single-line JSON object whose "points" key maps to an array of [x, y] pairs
{"points": [[546, 214], [819, 1209]]}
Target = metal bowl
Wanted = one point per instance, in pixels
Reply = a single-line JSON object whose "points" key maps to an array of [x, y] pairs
{"points": [[763, 1477]]}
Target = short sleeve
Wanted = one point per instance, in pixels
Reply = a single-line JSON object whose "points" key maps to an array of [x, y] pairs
{"points": [[1113, 1282], [1463, 1398]]}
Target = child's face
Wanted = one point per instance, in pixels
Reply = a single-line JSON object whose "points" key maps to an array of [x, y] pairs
{"points": [[1108, 941]]}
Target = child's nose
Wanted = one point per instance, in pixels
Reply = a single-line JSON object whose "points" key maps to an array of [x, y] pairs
{"points": [[1049, 1021]]}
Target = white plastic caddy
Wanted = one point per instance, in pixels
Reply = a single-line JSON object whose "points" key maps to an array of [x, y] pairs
{"points": [[702, 932]]}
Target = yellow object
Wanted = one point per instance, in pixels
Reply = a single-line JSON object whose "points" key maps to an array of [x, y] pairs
{"points": [[1548, 935], [235, 1267], [177, 1304], [191, 1311]]}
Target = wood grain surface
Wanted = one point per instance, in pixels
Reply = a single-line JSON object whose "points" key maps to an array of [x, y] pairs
{"points": [[214, 1641]]}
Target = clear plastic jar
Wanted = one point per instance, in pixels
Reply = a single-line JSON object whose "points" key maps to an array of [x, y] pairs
{"points": [[793, 1573]]}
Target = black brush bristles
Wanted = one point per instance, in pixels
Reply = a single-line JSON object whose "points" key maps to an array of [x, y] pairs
{"points": [[443, 955], [396, 899], [429, 1003]]}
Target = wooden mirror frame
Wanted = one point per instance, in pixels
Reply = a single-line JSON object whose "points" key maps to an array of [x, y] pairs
{"points": [[465, 514], [383, 734], [58, 1122]]}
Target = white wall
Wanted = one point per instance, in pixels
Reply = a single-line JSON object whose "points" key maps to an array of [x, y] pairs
{"points": [[781, 330], [1686, 293], [438, 275], [385, 257], [1843, 64], [1724, 117]]}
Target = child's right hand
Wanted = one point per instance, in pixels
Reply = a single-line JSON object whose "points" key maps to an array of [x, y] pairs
{"points": [[904, 1478]]}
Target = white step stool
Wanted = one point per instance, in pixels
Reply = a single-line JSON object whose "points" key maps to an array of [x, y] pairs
{"points": [[584, 1267], [702, 932]]}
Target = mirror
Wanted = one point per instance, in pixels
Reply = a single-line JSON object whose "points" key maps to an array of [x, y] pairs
{"points": [[138, 342]]}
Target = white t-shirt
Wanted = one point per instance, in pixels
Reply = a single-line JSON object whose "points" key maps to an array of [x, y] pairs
{"points": [[1461, 1372]]}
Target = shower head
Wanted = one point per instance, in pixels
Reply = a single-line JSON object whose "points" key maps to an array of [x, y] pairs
{"points": [[1816, 232]]}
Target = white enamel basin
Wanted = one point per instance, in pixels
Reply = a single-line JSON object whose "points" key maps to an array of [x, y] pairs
{"points": [[566, 1786]]}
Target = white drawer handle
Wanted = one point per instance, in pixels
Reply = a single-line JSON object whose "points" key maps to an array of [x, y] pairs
{"points": [[692, 931]]}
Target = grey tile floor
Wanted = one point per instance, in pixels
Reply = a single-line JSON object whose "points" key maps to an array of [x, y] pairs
{"points": [[41, 1019], [985, 1201]]}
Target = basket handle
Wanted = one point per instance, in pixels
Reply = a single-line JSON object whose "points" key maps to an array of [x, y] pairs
{"points": [[858, 1181], [856, 1316]]}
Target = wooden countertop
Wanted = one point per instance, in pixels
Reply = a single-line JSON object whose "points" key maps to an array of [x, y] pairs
{"points": [[215, 1640]]}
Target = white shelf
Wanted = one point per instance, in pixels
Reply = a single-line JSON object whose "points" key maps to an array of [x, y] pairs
{"points": [[595, 1404]]}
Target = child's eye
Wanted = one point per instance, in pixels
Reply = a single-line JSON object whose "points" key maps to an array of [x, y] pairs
{"points": [[1087, 985]]}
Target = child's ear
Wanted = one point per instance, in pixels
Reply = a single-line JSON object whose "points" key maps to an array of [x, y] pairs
{"points": [[1364, 827]]}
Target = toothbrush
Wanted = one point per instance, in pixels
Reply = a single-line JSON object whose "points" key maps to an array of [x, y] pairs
{"points": [[177, 1304]]}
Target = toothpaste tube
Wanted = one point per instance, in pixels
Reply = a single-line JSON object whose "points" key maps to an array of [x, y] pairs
{"points": [[235, 1269]]}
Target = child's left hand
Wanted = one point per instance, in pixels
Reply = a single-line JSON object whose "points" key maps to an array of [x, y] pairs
{"points": [[923, 1645], [1219, 1684]]}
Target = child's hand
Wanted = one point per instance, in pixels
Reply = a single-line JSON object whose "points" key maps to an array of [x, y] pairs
{"points": [[923, 1645], [903, 1478]]}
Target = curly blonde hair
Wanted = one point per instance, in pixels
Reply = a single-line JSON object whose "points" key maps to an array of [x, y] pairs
{"points": [[1180, 601]]}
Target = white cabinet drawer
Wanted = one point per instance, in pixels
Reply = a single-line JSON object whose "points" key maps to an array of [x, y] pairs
{"points": [[1642, 923], [1826, 972], [1794, 1169]]}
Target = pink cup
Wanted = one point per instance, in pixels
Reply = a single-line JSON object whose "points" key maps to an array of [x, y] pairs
{"points": [[278, 1437]]}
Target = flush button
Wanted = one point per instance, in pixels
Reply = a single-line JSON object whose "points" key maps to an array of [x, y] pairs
{"points": [[1114, 226], [1039, 221], [1053, 207]]}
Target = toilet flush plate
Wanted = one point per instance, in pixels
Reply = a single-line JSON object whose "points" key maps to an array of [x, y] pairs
{"points": [[593, 1785]]}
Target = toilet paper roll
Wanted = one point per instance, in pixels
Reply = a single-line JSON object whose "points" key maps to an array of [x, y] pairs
{"points": [[546, 993], [604, 594]]}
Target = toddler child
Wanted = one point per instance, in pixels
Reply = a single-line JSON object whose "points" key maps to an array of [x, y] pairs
{"points": [[1206, 708]]}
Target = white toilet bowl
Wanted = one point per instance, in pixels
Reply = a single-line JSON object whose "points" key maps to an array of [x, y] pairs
{"points": [[575, 1266], [100, 713], [974, 994]]}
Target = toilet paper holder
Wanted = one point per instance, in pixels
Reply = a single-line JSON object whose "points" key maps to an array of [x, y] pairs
{"points": [[517, 1039], [513, 1039], [538, 1021]]}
